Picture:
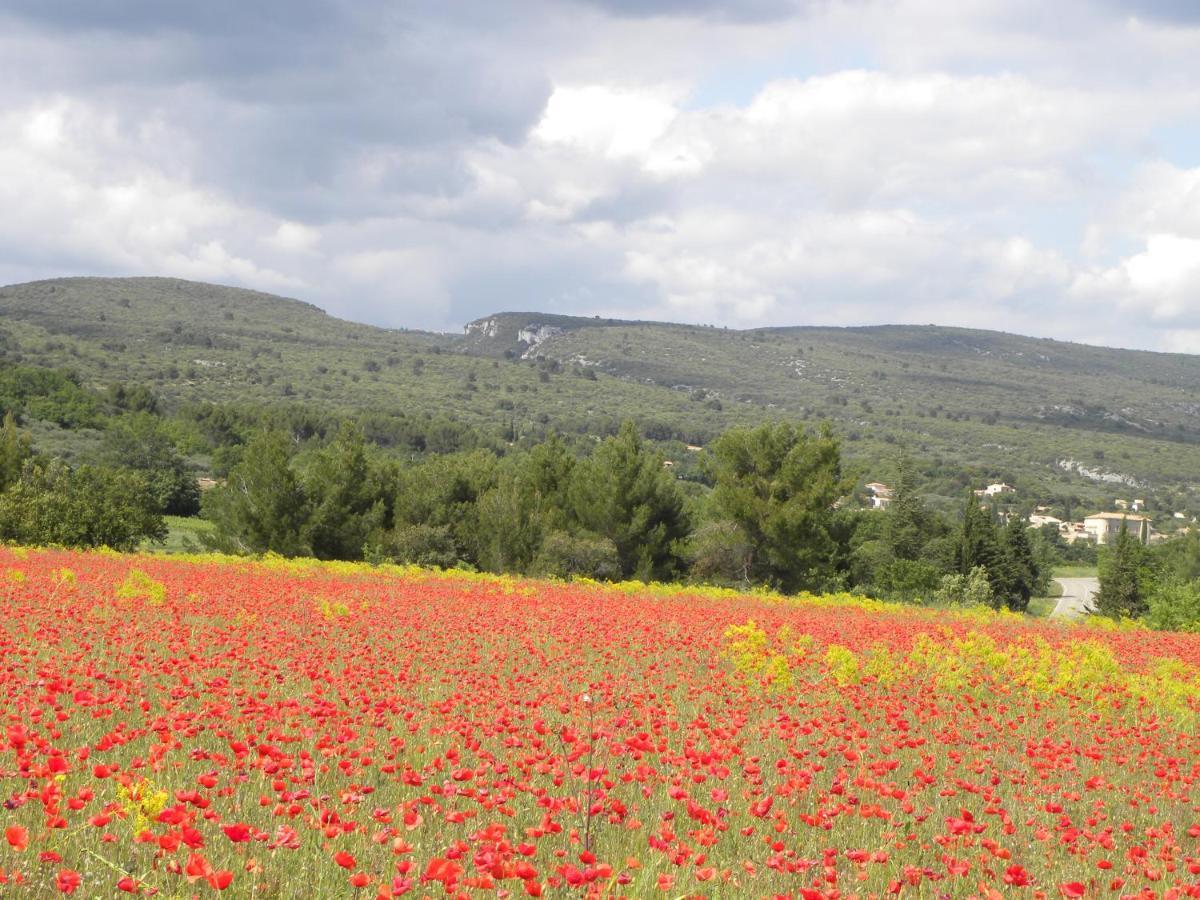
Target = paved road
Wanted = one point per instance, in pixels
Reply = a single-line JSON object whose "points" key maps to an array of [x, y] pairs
{"points": [[1076, 593]]}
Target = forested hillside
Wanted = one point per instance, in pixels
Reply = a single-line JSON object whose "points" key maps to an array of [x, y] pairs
{"points": [[1054, 418]]}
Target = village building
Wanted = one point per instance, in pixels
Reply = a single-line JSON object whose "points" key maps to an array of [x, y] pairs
{"points": [[880, 495], [993, 490], [1104, 527], [1037, 520]]}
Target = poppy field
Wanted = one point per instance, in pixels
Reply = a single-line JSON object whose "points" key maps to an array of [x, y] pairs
{"points": [[281, 729]]}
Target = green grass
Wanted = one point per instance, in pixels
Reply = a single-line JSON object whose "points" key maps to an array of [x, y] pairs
{"points": [[1074, 572], [183, 535], [1041, 607]]}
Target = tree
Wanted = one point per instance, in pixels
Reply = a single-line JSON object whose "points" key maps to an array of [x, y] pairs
{"points": [[778, 484], [345, 499], [1179, 558], [527, 503], [15, 449], [978, 544], [140, 442], [565, 555], [909, 525], [720, 553], [1174, 605], [1017, 573], [972, 589], [90, 506], [262, 507], [443, 493], [1124, 577], [623, 493]]}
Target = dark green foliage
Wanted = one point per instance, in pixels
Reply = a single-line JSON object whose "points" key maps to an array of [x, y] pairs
{"points": [[957, 395], [909, 525], [141, 442], [83, 507], [1017, 574], [419, 545], [565, 555], [528, 501], [15, 449], [1179, 559], [720, 553], [443, 492], [1124, 579], [50, 395], [777, 484], [262, 507], [978, 541], [345, 499], [909, 580], [623, 493], [1014, 569], [133, 398]]}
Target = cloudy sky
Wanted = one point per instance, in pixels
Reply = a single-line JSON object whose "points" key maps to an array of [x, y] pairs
{"points": [[1023, 165]]}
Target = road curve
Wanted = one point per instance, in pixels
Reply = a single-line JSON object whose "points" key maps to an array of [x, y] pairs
{"points": [[1077, 592]]}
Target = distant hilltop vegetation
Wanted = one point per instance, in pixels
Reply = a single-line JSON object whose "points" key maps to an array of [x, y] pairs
{"points": [[1047, 415]]}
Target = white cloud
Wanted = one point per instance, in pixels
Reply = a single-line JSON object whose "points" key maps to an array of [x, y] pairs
{"points": [[908, 160], [607, 121], [83, 193], [1162, 281]]}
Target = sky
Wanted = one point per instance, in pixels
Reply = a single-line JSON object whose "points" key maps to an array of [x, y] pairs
{"points": [[1020, 165]]}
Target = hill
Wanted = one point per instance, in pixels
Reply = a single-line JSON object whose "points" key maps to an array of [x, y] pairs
{"points": [[1053, 417]]}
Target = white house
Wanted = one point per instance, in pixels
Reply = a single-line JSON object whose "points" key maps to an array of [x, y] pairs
{"points": [[1037, 520], [1104, 527], [880, 495], [993, 489]]}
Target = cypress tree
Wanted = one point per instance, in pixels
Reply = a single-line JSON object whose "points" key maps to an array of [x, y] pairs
{"points": [[1122, 576]]}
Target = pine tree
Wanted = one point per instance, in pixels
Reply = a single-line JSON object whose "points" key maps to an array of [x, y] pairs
{"points": [[346, 502], [978, 544], [141, 442], [1122, 579], [1017, 572], [778, 485], [623, 493], [262, 507], [907, 522]]}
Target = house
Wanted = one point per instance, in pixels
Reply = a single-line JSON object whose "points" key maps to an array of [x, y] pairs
{"points": [[880, 495], [993, 490], [1104, 527], [1037, 520], [1074, 531]]}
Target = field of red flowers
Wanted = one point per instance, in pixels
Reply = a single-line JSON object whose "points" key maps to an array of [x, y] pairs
{"points": [[275, 729]]}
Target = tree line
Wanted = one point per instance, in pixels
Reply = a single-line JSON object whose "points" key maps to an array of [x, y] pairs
{"points": [[772, 515]]}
